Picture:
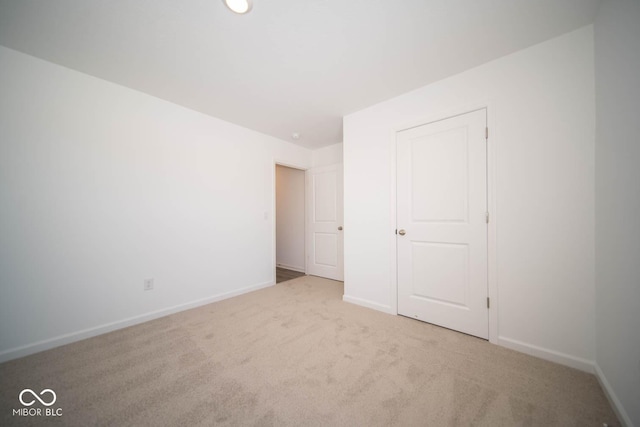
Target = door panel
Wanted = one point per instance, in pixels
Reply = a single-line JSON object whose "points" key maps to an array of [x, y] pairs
{"points": [[325, 240], [441, 206], [442, 273], [439, 177], [325, 196], [326, 253]]}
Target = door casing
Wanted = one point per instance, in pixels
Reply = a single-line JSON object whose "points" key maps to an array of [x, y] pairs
{"points": [[492, 143], [306, 169]]}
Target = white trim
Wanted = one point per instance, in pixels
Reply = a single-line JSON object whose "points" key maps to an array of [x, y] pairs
{"points": [[393, 203], [492, 232], [547, 354], [290, 267], [71, 337], [612, 397], [492, 281], [442, 115], [368, 304]]}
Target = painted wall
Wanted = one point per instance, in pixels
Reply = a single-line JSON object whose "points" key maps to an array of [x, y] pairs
{"points": [[326, 156], [617, 59], [290, 218], [102, 187], [542, 111]]}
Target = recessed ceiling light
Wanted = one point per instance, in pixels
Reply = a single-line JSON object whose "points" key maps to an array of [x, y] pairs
{"points": [[295, 135], [239, 6]]}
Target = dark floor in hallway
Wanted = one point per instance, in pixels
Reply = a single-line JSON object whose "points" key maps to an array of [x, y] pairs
{"points": [[282, 274]]}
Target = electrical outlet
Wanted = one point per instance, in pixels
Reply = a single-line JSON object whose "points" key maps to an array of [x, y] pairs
{"points": [[148, 284]]}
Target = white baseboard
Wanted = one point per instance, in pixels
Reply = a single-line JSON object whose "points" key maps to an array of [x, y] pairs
{"points": [[369, 304], [547, 354], [47, 344], [613, 398], [290, 267]]}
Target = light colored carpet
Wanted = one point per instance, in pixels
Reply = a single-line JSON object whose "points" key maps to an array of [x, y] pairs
{"points": [[296, 354]]}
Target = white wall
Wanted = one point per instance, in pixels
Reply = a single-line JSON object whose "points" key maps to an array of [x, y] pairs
{"points": [[617, 59], [541, 113], [290, 218], [102, 186], [326, 156]]}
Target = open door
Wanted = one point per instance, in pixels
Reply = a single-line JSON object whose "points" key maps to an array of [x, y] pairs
{"points": [[324, 229]]}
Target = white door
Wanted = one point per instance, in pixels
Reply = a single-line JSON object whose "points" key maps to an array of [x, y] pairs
{"points": [[324, 238], [442, 223]]}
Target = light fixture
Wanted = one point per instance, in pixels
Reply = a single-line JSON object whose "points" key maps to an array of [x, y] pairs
{"points": [[295, 135], [239, 6]]}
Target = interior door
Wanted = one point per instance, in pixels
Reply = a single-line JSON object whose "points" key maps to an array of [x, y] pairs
{"points": [[442, 223], [325, 238]]}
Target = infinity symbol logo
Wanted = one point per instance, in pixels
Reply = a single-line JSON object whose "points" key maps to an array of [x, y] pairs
{"points": [[47, 390]]}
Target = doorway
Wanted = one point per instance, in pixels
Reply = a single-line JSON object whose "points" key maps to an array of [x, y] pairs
{"points": [[290, 223]]}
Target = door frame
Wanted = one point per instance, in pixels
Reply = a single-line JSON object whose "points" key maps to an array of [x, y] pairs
{"points": [[275, 162], [492, 283]]}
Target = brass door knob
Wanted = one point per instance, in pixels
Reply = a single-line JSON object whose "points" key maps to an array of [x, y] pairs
{"points": [[340, 228], [402, 232]]}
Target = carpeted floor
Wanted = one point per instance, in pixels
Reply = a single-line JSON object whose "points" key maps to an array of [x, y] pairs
{"points": [[296, 354]]}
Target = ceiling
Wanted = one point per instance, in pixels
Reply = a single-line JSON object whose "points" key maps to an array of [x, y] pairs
{"points": [[289, 65]]}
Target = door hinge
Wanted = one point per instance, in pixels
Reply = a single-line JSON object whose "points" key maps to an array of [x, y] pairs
{"points": [[486, 133], [488, 302], [486, 216]]}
